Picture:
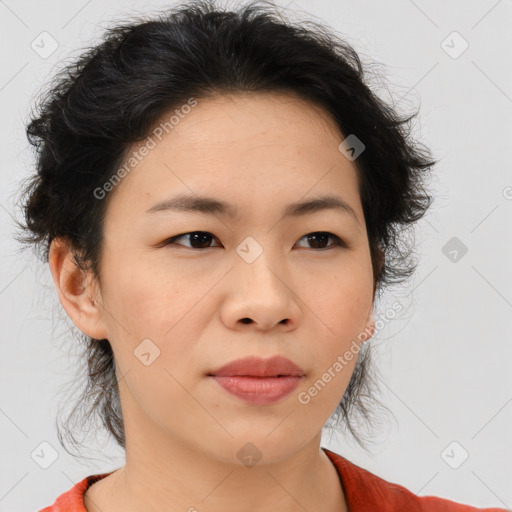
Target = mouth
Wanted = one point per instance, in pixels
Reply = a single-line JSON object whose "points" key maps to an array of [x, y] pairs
{"points": [[253, 366], [258, 390], [253, 376], [259, 381]]}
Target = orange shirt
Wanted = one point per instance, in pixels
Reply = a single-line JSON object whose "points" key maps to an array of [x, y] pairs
{"points": [[364, 492]]}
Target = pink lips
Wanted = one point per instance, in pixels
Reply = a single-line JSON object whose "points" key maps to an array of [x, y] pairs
{"points": [[259, 381]]}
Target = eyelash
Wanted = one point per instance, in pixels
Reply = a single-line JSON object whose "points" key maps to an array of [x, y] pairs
{"points": [[338, 241]]}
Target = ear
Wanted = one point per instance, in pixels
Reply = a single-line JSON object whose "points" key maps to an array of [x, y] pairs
{"points": [[369, 328], [378, 265], [380, 258], [78, 291]]}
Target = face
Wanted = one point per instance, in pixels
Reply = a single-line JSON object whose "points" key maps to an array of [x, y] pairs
{"points": [[254, 282]]}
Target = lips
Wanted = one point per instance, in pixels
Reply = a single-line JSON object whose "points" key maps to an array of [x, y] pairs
{"points": [[259, 381], [276, 366]]}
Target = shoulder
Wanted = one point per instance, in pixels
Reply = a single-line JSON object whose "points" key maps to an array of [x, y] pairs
{"points": [[367, 492], [73, 499]]}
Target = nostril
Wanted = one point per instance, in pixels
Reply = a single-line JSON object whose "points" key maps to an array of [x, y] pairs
{"points": [[246, 320]]}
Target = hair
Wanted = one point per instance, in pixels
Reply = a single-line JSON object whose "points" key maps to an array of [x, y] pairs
{"points": [[114, 94]]}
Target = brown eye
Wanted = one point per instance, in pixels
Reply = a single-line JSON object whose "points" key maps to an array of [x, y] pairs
{"points": [[319, 240], [197, 240]]}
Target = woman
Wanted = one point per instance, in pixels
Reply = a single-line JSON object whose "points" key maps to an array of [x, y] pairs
{"points": [[220, 197]]}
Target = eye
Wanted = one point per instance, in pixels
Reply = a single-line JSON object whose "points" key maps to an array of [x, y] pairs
{"points": [[319, 238], [202, 240]]}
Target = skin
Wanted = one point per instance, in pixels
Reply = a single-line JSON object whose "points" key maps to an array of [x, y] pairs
{"points": [[259, 152]]}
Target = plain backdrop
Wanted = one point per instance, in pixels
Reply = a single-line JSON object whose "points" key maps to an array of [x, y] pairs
{"points": [[445, 362]]}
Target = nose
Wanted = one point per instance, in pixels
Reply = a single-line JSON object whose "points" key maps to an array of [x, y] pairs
{"points": [[262, 294]]}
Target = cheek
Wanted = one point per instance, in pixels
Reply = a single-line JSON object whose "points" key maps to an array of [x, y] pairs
{"points": [[145, 302], [343, 299], [344, 313], [155, 314], [342, 304]]}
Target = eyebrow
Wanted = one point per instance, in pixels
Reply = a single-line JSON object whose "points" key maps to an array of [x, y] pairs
{"points": [[212, 206]]}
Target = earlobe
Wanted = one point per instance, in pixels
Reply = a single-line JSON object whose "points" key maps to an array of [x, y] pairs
{"points": [[77, 290], [378, 266], [369, 329], [381, 258]]}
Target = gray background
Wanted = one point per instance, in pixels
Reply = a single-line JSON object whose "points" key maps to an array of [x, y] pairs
{"points": [[445, 362]]}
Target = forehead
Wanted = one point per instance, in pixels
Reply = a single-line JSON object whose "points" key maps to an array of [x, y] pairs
{"points": [[243, 116], [243, 147]]}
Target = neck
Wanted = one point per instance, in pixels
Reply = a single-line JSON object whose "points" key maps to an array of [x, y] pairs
{"points": [[181, 479]]}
